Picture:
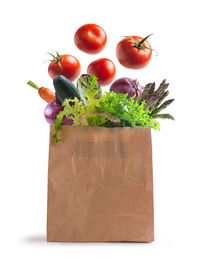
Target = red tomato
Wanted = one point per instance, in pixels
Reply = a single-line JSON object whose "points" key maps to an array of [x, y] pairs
{"points": [[132, 53], [103, 69], [66, 65], [90, 38]]}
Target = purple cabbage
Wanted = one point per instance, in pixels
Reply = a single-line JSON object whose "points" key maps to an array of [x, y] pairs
{"points": [[127, 86]]}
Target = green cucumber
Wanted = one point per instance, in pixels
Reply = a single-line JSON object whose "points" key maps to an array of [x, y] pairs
{"points": [[65, 88]]}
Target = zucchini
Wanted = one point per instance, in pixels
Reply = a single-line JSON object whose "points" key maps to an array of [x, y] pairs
{"points": [[65, 88]]}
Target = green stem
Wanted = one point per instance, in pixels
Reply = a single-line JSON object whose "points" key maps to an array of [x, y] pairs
{"points": [[136, 43], [144, 47], [139, 44], [143, 40], [32, 84], [57, 59], [54, 57]]}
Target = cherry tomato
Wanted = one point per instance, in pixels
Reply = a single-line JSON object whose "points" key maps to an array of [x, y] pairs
{"points": [[90, 38], [103, 69], [134, 52], [66, 65]]}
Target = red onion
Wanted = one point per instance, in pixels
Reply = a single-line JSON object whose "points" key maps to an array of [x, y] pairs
{"points": [[51, 111]]}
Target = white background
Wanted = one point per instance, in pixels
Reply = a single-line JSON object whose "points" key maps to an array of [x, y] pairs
{"points": [[31, 28]]}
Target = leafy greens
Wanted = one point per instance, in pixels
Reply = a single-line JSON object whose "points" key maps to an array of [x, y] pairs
{"points": [[130, 114]]}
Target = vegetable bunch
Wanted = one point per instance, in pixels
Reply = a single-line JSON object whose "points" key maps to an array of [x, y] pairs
{"points": [[130, 113]]}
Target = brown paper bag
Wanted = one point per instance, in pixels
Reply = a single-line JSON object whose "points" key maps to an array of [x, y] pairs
{"points": [[100, 185]]}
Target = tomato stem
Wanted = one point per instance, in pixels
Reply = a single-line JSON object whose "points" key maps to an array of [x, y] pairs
{"points": [[139, 44], [151, 49], [143, 40], [57, 59], [136, 43]]}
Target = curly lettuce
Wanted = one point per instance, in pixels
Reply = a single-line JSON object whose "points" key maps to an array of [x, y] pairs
{"points": [[130, 114]]}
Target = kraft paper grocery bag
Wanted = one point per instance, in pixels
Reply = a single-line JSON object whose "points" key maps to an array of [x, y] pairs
{"points": [[100, 185]]}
